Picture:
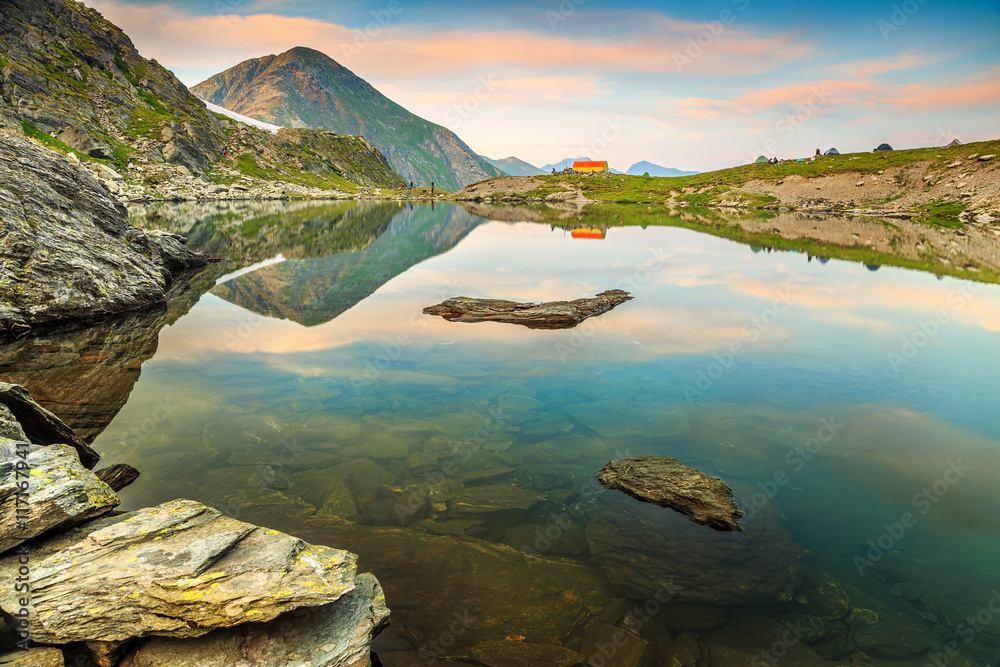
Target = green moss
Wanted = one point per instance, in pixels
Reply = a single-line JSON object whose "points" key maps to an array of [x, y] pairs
{"points": [[943, 208]]}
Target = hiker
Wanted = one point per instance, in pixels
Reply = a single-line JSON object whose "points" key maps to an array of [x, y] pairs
{"points": [[817, 152]]}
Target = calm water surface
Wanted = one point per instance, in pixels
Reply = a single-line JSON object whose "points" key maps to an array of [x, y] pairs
{"points": [[854, 411]]}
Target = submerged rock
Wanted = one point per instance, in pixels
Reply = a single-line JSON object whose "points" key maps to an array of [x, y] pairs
{"points": [[667, 482], [179, 570], [67, 250], [641, 548], [334, 635], [477, 590], [60, 492], [549, 315], [895, 636], [517, 654]]}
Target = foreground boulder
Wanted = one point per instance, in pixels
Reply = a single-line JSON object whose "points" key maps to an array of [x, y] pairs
{"points": [[549, 315], [60, 492], [39, 426], [334, 635], [667, 482], [179, 569], [67, 250], [640, 547]]}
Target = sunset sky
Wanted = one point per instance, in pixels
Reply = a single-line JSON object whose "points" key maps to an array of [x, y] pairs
{"points": [[694, 86]]}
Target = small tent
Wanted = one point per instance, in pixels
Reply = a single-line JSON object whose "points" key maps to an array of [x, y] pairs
{"points": [[832, 151], [761, 159], [884, 147], [955, 142]]}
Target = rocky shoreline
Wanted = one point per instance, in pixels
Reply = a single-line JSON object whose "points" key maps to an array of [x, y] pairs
{"points": [[135, 589]]}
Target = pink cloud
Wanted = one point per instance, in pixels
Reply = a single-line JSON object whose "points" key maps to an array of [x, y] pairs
{"points": [[654, 45], [866, 69], [985, 93]]}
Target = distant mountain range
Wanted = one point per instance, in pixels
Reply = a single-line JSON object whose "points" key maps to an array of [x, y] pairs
{"points": [[305, 88], [515, 167], [640, 168], [566, 163], [637, 169]]}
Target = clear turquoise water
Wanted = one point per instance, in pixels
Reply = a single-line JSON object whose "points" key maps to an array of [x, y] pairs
{"points": [[373, 399]]}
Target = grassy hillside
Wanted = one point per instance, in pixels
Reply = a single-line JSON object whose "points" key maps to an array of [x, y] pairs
{"points": [[943, 182]]}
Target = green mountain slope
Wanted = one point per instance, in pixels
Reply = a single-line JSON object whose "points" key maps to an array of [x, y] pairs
{"points": [[74, 82], [305, 88]]}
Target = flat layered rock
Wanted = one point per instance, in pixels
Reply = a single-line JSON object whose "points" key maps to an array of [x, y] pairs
{"points": [[179, 569], [517, 654], [481, 591], [667, 482], [549, 315], [334, 635], [60, 492]]}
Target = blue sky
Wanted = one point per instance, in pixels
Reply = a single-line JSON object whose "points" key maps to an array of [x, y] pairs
{"points": [[687, 85]]}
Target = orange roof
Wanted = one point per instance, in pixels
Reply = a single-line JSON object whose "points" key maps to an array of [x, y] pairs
{"points": [[590, 165], [588, 233]]}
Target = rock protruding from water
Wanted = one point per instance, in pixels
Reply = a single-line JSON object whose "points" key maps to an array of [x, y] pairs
{"points": [[180, 569], [667, 482], [67, 248], [549, 315], [118, 476], [44, 489], [41, 427]]}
